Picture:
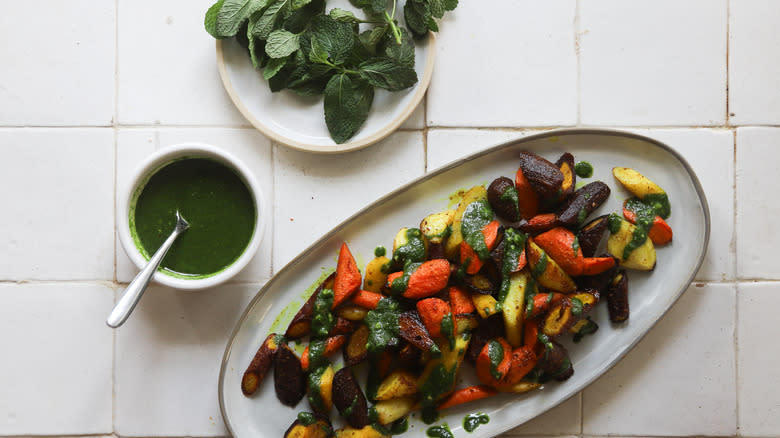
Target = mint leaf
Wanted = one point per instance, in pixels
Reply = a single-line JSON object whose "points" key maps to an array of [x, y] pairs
{"points": [[370, 38], [256, 50], [343, 16], [403, 53], [271, 18], [450, 5], [372, 7], [437, 8], [331, 39], [347, 102], [233, 13], [432, 25], [417, 15], [282, 43], [297, 4], [274, 66], [210, 22], [386, 73], [300, 18]]}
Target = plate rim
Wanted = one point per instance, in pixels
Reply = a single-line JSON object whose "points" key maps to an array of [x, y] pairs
{"points": [[420, 90], [518, 140]]}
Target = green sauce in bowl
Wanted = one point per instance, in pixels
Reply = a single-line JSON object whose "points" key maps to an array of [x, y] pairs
{"points": [[217, 204]]}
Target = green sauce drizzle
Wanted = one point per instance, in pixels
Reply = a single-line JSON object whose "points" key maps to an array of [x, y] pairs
{"points": [[306, 418], [541, 265], [448, 329], [472, 421], [575, 246], [514, 245], [348, 411], [510, 195], [379, 251], [613, 223], [496, 355], [645, 215], [399, 426], [576, 306], [660, 204], [400, 284], [583, 169], [322, 320], [412, 251], [430, 415], [317, 353], [442, 431], [475, 217], [313, 382], [382, 325], [439, 381]]}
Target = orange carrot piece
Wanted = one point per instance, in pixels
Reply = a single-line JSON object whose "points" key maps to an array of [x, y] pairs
{"points": [[332, 345], [558, 243], [540, 223], [460, 301], [391, 277], [530, 336], [432, 311], [523, 361], [485, 368], [465, 395], [490, 233], [544, 302], [348, 279], [521, 262], [467, 253], [431, 277], [366, 299], [596, 265], [528, 200], [660, 232]]}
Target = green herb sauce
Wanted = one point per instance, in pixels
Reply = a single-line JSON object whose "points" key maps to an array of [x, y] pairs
{"points": [[429, 415], [472, 421], [475, 217], [582, 215], [306, 418], [348, 411], [660, 204], [322, 320], [575, 246], [442, 431], [645, 215], [382, 325], [541, 265], [313, 383], [412, 251], [448, 329], [317, 353], [399, 427], [576, 306], [583, 169], [379, 251], [510, 195], [439, 381], [614, 222], [399, 285], [514, 245], [212, 198], [496, 355]]}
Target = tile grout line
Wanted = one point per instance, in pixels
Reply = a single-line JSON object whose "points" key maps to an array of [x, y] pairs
{"points": [[425, 133], [736, 292], [728, 45], [115, 125]]}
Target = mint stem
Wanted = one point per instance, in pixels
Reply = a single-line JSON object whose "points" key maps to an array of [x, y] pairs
{"points": [[393, 26]]}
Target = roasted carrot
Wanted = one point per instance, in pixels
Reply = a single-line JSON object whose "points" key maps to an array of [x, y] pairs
{"points": [[465, 395], [364, 298], [540, 223], [332, 345], [528, 200], [348, 279], [384, 362], [460, 301], [432, 311], [468, 255], [531, 336], [543, 302], [429, 278], [523, 361], [492, 372], [561, 244], [596, 265], [342, 326], [660, 232], [260, 364]]}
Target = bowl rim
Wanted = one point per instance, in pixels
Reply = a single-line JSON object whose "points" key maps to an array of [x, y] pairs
{"points": [[152, 164]]}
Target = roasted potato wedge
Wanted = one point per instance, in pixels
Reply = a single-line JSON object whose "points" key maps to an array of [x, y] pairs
{"points": [[435, 230], [486, 305], [365, 432], [641, 259], [503, 198], [349, 398], [394, 409], [582, 203], [352, 312], [318, 428], [320, 391], [643, 188], [452, 246], [400, 383], [546, 271], [289, 380], [408, 246], [513, 306], [375, 278]]}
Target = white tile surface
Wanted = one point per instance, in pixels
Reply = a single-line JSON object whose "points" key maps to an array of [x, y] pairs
{"points": [[653, 62], [512, 64], [758, 172], [168, 356], [754, 62], [56, 369], [679, 380], [710, 152], [447, 145], [758, 360], [249, 146], [56, 197], [562, 419], [314, 193], [167, 66], [58, 63]]}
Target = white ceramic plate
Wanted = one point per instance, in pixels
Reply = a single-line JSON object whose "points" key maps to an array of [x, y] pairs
{"points": [[651, 294], [299, 122]]}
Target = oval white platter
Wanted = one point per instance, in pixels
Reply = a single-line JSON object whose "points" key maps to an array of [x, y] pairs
{"points": [[650, 294], [299, 122]]}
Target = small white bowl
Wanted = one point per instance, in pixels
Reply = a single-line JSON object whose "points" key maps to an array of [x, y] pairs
{"points": [[152, 165]]}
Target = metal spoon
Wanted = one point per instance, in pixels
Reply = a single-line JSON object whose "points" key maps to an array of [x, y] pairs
{"points": [[133, 293]]}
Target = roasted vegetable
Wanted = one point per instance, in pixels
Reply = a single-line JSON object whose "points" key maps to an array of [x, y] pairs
{"points": [[617, 297], [488, 329], [408, 247], [367, 299], [375, 277], [439, 376], [433, 311], [540, 223], [394, 409], [412, 330], [289, 381], [523, 361], [342, 327], [465, 395], [301, 322], [365, 432], [421, 281], [347, 280], [435, 230], [599, 282], [503, 198], [545, 178], [519, 387], [260, 364], [479, 283], [513, 306], [400, 383], [555, 362], [320, 382], [561, 244], [492, 234], [633, 249], [590, 236], [349, 399], [329, 346], [660, 232], [486, 305], [644, 189], [528, 199], [494, 361], [546, 271], [409, 356], [312, 426], [476, 193], [352, 312], [559, 319], [566, 165], [460, 301], [582, 203], [356, 349]]}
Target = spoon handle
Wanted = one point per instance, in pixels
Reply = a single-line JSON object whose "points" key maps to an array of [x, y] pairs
{"points": [[136, 288]]}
